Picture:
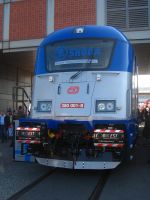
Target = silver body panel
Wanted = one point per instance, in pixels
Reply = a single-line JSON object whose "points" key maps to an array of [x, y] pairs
{"points": [[55, 163], [95, 165], [78, 164], [112, 86]]}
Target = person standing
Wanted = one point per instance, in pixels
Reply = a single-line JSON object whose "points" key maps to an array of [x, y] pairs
{"points": [[10, 129], [146, 130], [140, 114], [7, 124], [2, 126], [20, 112]]}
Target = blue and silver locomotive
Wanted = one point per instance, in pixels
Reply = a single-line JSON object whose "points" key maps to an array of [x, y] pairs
{"points": [[84, 102]]}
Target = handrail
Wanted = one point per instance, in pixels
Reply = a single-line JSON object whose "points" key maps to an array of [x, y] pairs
{"points": [[24, 95]]}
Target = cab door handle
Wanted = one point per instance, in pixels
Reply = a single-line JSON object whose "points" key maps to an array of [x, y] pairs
{"points": [[88, 88], [59, 89]]}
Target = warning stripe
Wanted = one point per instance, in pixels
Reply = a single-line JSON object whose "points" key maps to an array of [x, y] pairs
{"points": [[27, 129], [108, 145], [107, 131], [29, 141]]}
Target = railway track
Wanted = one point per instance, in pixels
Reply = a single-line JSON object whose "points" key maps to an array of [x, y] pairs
{"points": [[26, 189], [99, 187], [74, 182]]}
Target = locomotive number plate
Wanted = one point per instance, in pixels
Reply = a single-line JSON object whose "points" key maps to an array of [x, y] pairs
{"points": [[72, 105]]}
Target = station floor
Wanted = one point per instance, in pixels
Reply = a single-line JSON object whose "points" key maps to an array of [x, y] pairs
{"points": [[132, 180], [14, 176], [126, 182]]}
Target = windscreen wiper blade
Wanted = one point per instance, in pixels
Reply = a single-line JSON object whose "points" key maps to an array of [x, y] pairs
{"points": [[75, 75]]}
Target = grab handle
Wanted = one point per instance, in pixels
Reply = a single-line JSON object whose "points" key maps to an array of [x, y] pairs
{"points": [[59, 89]]}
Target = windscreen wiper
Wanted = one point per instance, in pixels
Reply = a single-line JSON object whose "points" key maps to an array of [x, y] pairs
{"points": [[90, 61], [75, 75]]}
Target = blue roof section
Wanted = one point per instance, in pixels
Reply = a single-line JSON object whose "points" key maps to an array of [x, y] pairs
{"points": [[89, 32]]}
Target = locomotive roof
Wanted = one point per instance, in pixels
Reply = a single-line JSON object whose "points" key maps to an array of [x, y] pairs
{"points": [[89, 32]]}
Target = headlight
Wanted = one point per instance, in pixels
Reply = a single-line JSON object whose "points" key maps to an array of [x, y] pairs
{"points": [[105, 106], [44, 106]]}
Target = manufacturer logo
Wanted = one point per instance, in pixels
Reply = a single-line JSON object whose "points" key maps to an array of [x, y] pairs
{"points": [[73, 90]]}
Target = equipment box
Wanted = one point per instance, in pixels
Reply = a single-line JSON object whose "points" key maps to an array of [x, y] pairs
{"points": [[21, 153]]}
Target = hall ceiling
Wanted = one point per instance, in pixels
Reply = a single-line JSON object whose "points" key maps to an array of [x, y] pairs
{"points": [[25, 60], [142, 52]]}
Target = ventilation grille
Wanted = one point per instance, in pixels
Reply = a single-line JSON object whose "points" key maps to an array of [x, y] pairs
{"points": [[138, 18], [137, 3], [111, 4], [117, 19], [128, 14]]}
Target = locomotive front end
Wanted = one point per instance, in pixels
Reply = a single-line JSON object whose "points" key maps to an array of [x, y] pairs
{"points": [[85, 96]]}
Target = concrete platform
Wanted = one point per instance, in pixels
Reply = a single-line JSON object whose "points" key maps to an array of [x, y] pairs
{"points": [[126, 182], [132, 180], [16, 175]]}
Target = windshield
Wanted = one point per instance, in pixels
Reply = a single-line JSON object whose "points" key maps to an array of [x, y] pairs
{"points": [[79, 54]]}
